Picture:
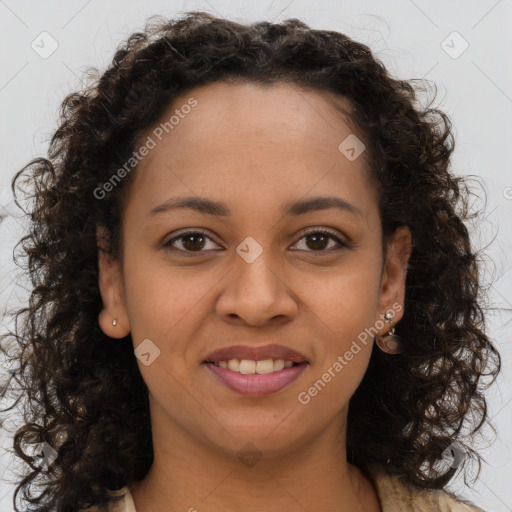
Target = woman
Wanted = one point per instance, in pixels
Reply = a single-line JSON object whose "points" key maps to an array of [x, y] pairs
{"points": [[253, 285]]}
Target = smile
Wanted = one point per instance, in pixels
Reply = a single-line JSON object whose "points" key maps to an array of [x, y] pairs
{"points": [[256, 378]]}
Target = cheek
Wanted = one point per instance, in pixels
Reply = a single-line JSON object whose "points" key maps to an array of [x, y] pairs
{"points": [[343, 317], [344, 311], [346, 298], [158, 295]]}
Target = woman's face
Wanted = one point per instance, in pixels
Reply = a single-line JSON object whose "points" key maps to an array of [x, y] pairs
{"points": [[249, 274]]}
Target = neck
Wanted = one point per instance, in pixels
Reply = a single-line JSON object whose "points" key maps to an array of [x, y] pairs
{"points": [[189, 475]]}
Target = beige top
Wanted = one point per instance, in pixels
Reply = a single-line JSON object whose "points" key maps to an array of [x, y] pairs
{"points": [[395, 495]]}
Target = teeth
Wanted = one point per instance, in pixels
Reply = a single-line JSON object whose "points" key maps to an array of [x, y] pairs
{"points": [[266, 366], [278, 365], [249, 367], [234, 365]]}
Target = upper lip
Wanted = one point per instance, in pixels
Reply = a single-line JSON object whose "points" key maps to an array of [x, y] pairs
{"points": [[255, 353]]}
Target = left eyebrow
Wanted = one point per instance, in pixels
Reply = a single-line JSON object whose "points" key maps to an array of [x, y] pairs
{"points": [[209, 207], [320, 203]]}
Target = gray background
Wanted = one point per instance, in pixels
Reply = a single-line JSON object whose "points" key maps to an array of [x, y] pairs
{"points": [[474, 89]]}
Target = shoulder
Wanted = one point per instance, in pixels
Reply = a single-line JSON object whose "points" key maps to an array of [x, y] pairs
{"points": [[395, 495], [398, 495], [121, 501]]}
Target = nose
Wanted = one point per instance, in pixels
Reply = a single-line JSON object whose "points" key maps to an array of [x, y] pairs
{"points": [[256, 294]]}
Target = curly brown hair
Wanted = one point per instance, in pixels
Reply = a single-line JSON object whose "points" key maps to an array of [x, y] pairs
{"points": [[83, 393]]}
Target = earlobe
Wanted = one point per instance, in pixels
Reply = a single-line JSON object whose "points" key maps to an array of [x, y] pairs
{"points": [[113, 318]]}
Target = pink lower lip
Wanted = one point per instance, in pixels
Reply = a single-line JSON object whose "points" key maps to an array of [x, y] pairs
{"points": [[256, 385]]}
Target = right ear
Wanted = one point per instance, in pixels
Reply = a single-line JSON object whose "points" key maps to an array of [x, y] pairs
{"points": [[111, 289]]}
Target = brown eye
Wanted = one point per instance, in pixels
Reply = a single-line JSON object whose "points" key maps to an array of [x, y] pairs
{"points": [[318, 241], [191, 241]]}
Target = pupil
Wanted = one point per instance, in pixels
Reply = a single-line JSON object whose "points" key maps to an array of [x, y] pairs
{"points": [[316, 237], [193, 237]]}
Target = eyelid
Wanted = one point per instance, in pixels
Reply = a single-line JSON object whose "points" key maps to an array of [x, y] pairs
{"points": [[311, 230], [332, 234], [319, 229], [185, 232]]}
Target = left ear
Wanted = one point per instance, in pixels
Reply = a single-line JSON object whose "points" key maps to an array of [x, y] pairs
{"points": [[392, 292]]}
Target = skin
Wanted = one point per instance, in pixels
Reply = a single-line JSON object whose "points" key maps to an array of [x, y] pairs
{"points": [[254, 148]]}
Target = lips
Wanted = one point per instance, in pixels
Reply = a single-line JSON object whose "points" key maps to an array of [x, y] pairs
{"points": [[255, 354], [256, 385]]}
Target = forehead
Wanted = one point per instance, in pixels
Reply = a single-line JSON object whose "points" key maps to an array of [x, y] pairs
{"points": [[241, 137], [252, 113]]}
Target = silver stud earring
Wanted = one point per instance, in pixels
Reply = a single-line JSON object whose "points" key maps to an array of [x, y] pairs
{"points": [[390, 342]]}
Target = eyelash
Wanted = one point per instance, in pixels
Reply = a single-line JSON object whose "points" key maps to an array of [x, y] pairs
{"points": [[313, 231]]}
